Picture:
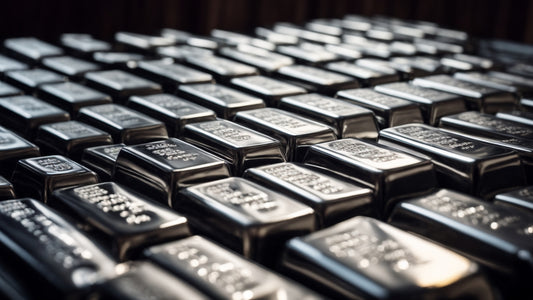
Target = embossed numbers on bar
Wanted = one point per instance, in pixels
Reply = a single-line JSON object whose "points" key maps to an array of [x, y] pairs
{"points": [[479, 98], [24, 114], [389, 172], [363, 258], [241, 147], [245, 216], [332, 198], [38, 177], [522, 197], [69, 138], [71, 96], [160, 168], [323, 81], [222, 274], [496, 236], [433, 104], [101, 159], [128, 221], [144, 280], [292, 130], [13, 148], [175, 112], [120, 85], [224, 101], [390, 111], [52, 258], [125, 125], [461, 163], [268, 89], [346, 119]]}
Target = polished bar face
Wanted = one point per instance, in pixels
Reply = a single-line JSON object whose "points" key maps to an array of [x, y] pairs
{"points": [[523, 117], [226, 102], [524, 84], [7, 191], [380, 65], [120, 60], [9, 64], [70, 66], [323, 81], [222, 69], [292, 130], [301, 33], [83, 44], [308, 53], [276, 37], [476, 123], [389, 172], [24, 114], [486, 80], [245, 216], [522, 198], [348, 120], [142, 41], [144, 280], [38, 177], [175, 112], [120, 85], [433, 104], [159, 169], [461, 163], [13, 148], [180, 52], [124, 124], [390, 111], [71, 96], [38, 243], [101, 159], [128, 221], [221, 274], [269, 89], [496, 236], [478, 97], [422, 64], [243, 148], [7, 90], [171, 75], [366, 77], [363, 258], [332, 198], [29, 80], [262, 59], [31, 49], [69, 138]]}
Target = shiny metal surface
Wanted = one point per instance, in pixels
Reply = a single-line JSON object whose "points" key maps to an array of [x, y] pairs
{"points": [[7, 191], [71, 96], [269, 89], [245, 216], [222, 69], [260, 58], [171, 75], [31, 49], [120, 85], [321, 80], [521, 197], [366, 77], [13, 148], [101, 159]]}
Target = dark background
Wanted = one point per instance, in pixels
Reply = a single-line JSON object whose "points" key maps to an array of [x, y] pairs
{"points": [[46, 19]]}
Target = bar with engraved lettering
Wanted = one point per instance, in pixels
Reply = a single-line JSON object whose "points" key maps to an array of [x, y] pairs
{"points": [[143, 280], [322, 81], [51, 258], [120, 85], [433, 104], [127, 221], [497, 237], [221, 274], [159, 169], [222, 69], [480, 98], [13, 148], [174, 111], [101, 159], [390, 111], [71, 96], [29, 80], [294, 132], [124, 124], [521, 197], [69, 138], [24, 114], [226, 102], [244, 216], [462, 163], [242, 147], [269, 89], [333, 198], [38, 177], [366, 77], [346, 119], [363, 258], [171, 75], [389, 172]]}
